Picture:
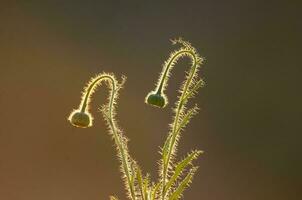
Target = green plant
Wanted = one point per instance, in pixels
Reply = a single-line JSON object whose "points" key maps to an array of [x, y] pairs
{"points": [[174, 176]]}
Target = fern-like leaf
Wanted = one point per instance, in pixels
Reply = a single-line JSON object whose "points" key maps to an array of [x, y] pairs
{"points": [[180, 168], [140, 182], [178, 192], [155, 191], [113, 198], [200, 83], [185, 119]]}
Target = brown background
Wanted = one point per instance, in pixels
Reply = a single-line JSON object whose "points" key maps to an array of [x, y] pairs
{"points": [[250, 120]]}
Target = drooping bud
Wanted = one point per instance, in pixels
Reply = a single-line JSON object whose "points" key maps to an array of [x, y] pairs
{"points": [[80, 119], [156, 99]]}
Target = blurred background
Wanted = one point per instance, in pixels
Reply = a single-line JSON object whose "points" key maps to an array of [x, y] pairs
{"points": [[249, 124]]}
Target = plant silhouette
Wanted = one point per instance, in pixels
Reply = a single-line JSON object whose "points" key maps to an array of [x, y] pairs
{"points": [[174, 176]]}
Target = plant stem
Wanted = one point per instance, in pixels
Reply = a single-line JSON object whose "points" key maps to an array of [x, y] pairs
{"points": [[90, 88], [117, 138], [167, 69], [179, 109]]}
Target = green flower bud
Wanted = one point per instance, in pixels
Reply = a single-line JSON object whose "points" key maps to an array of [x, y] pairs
{"points": [[80, 119], [156, 99]]}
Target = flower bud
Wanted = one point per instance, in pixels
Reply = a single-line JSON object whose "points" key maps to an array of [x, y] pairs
{"points": [[80, 119], [156, 99]]}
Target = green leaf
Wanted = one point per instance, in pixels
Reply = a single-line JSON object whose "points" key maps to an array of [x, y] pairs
{"points": [[155, 191], [181, 166], [113, 198], [194, 89], [146, 187], [177, 194], [186, 118], [166, 146], [140, 183]]}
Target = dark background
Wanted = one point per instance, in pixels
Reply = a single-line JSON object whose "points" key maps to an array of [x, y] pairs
{"points": [[250, 120]]}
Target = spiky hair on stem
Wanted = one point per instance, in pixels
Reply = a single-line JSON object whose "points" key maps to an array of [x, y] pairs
{"points": [[113, 198], [157, 97], [175, 177], [169, 172], [128, 165], [81, 117]]}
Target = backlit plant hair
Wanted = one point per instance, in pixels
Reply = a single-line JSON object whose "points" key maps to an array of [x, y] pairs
{"points": [[175, 177], [169, 172], [128, 165]]}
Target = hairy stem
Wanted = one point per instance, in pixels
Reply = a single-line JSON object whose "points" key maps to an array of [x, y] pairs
{"points": [[118, 138], [163, 78], [91, 87], [172, 140]]}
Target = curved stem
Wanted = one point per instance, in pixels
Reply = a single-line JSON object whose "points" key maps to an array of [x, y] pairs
{"points": [[120, 144], [90, 88], [117, 137], [168, 67], [179, 108]]}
